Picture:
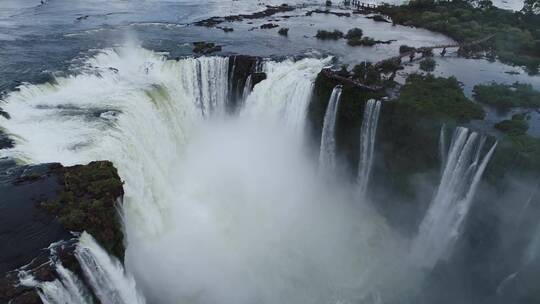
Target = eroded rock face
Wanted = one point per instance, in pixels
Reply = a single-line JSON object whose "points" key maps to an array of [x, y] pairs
{"points": [[241, 67], [45, 204]]}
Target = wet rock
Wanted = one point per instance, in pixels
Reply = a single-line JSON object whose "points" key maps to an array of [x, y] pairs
{"points": [[206, 48], [328, 12], [378, 18], [269, 26], [226, 29], [40, 205], [269, 11], [240, 67], [28, 297]]}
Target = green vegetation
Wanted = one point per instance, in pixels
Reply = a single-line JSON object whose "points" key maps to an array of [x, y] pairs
{"points": [[517, 154], [405, 49], [87, 202], [326, 35], [366, 41], [283, 31], [428, 65], [515, 126], [516, 40], [504, 96], [366, 73], [354, 33], [439, 97]]}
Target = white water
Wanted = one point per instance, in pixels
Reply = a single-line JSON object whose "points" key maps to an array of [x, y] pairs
{"points": [[247, 88], [215, 210], [368, 133], [285, 95], [327, 155], [106, 274], [66, 289], [443, 221]]}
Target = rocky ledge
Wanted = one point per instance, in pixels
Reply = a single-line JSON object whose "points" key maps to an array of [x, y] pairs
{"points": [[49, 203]]}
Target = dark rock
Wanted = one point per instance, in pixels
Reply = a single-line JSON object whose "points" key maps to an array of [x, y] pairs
{"points": [[328, 12], [283, 31], [28, 297], [5, 141], [40, 205], [226, 29], [206, 48], [378, 18], [269, 11], [257, 77], [45, 273], [269, 26], [4, 114], [240, 67]]}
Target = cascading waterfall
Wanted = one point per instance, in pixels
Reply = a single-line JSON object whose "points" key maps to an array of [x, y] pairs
{"points": [[327, 156], [247, 88], [443, 148], [368, 133], [66, 289], [106, 274], [212, 83], [443, 221], [227, 211], [285, 94]]}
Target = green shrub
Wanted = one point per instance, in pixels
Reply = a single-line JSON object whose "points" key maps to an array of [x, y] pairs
{"points": [[439, 98], [505, 97], [428, 65], [326, 35], [354, 33], [366, 73], [405, 49], [515, 126]]}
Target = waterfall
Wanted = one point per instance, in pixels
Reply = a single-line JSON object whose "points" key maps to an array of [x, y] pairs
{"points": [[443, 149], [66, 289], [212, 83], [327, 156], [368, 133], [106, 274], [215, 210], [442, 224], [247, 88], [285, 94]]}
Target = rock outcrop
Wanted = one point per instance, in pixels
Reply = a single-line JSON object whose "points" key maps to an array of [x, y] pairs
{"points": [[46, 204]]}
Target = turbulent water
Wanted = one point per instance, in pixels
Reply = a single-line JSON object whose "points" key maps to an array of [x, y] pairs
{"points": [[106, 274], [443, 222], [217, 208], [327, 155], [367, 144]]}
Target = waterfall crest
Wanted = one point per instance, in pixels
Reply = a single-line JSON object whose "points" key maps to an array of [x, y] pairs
{"points": [[216, 210], [285, 95], [327, 156], [66, 289], [368, 133], [443, 221]]}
